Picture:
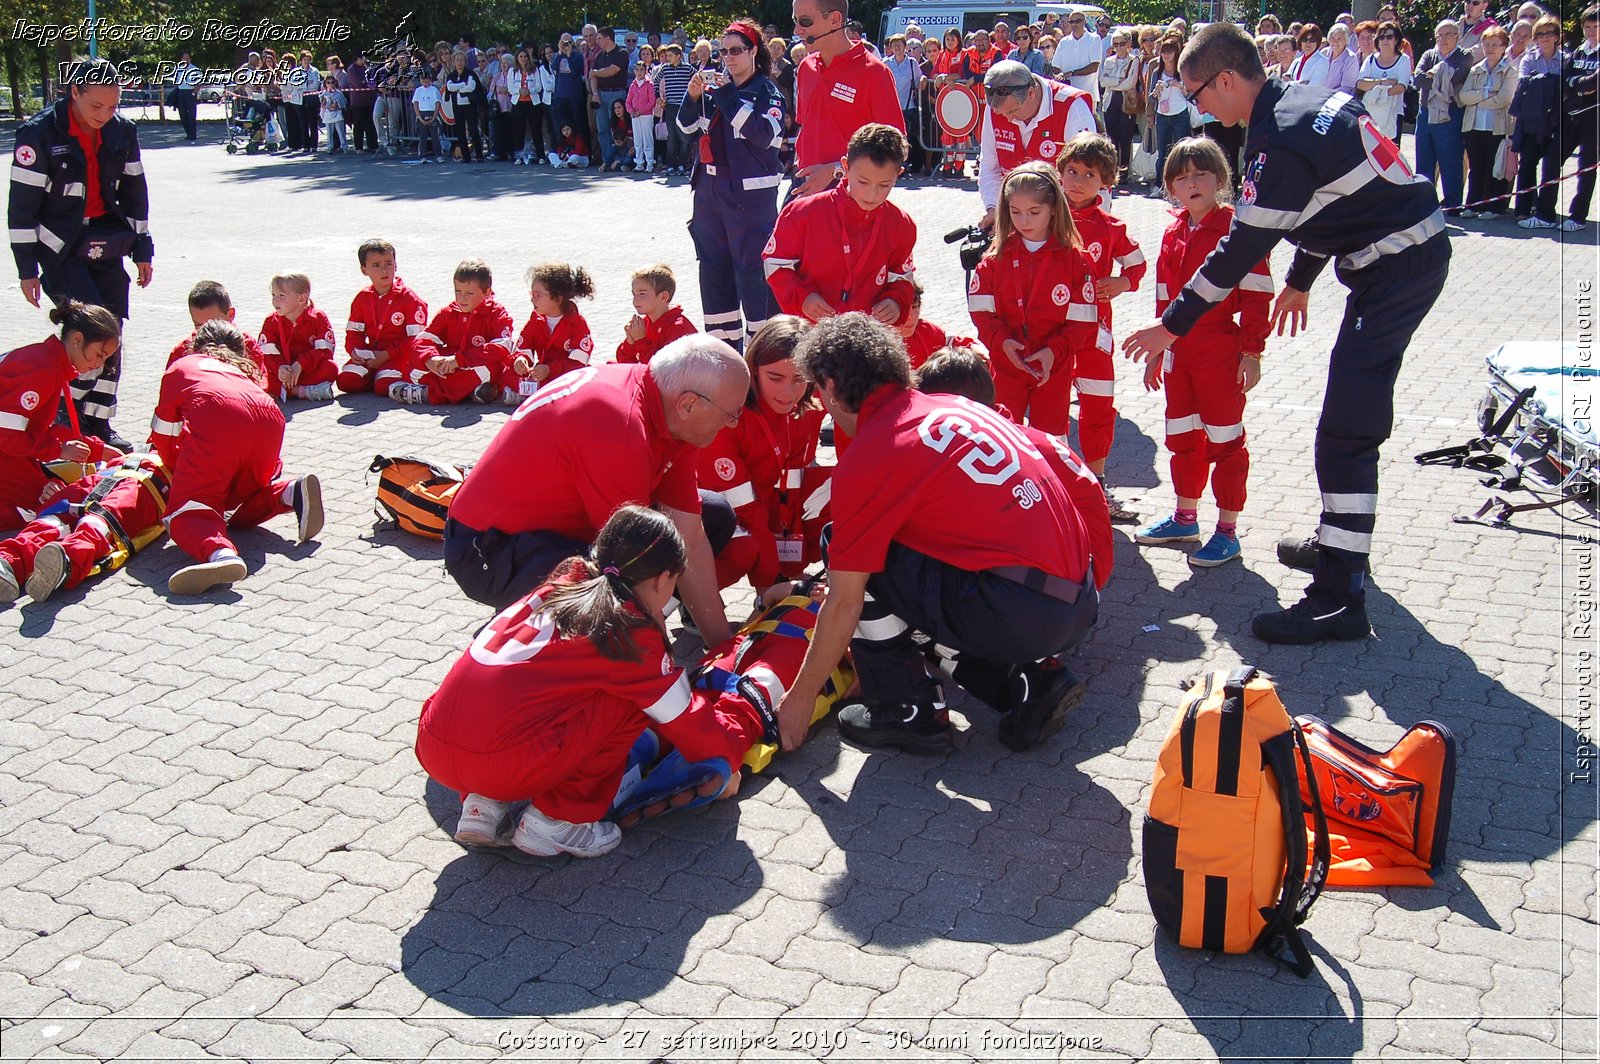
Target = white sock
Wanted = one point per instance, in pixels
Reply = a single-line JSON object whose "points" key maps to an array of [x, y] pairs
{"points": [[223, 555], [288, 493]]}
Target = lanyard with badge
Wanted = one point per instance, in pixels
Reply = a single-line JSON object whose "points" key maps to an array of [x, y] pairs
{"points": [[849, 256], [791, 548]]}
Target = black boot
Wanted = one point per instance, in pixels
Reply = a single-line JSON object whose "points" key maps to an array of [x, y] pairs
{"points": [[920, 727], [100, 427], [1045, 695], [1314, 619]]}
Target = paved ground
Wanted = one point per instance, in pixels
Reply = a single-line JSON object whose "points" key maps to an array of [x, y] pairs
{"points": [[215, 840]]}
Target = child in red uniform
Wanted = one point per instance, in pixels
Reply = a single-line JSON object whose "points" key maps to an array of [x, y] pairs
{"points": [[656, 322], [556, 339], [220, 435], [765, 464], [1088, 164], [386, 318], [1032, 299], [949, 69], [208, 301], [1210, 368], [94, 524], [297, 340], [849, 249], [466, 349], [545, 705], [32, 381], [923, 337]]}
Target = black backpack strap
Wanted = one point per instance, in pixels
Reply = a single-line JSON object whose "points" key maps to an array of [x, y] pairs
{"points": [[1237, 681], [1300, 889]]}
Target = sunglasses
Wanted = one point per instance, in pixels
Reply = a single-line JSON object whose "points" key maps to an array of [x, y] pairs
{"points": [[1548, 33], [1387, 37], [734, 49], [805, 23]]}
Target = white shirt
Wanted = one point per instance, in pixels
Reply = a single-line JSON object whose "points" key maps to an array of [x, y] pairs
{"points": [[426, 99], [1079, 120], [1312, 71], [1075, 52]]}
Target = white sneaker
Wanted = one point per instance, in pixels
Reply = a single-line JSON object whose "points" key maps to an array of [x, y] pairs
{"points": [[9, 588], [544, 836], [201, 577], [1533, 221], [482, 820], [408, 393], [316, 392], [307, 496], [1571, 225], [50, 570], [511, 397]]}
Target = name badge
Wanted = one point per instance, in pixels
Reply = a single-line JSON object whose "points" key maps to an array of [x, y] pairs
{"points": [[791, 550], [527, 387], [1102, 339]]}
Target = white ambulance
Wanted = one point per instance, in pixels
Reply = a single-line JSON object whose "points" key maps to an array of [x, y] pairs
{"points": [[936, 16]]}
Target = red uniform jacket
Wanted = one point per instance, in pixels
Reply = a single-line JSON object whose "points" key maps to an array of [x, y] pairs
{"points": [[955, 480], [1040, 298], [657, 334], [1183, 249], [565, 714], [390, 322], [833, 101], [481, 340], [1087, 496], [759, 466], [198, 386], [852, 258], [307, 340], [596, 439], [566, 347], [1071, 112], [32, 381], [1106, 244], [927, 338]]}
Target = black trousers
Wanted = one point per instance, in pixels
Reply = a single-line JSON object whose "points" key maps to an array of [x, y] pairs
{"points": [[1534, 155], [363, 134], [1387, 302], [104, 284], [311, 117], [982, 626], [497, 568], [294, 127], [1121, 127], [467, 133], [187, 104], [1231, 140], [1481, 182], [1585, 135]]}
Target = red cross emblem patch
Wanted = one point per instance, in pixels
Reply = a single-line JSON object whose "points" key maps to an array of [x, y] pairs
{"points": [[1383, 154]]}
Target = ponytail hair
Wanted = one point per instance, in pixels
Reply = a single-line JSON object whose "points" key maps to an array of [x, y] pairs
{"points": [[93, 323], [224, 341], [636, 544]]}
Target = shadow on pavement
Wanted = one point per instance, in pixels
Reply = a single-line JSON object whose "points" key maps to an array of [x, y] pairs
{"points": [[512, 935]]}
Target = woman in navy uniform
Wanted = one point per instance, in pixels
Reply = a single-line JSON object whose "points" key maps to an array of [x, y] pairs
{"points": [[79, 206], [740, 116]]}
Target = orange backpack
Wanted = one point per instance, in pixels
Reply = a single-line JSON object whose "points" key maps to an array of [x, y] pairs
{"points": [[1225, 854], [1389, 810], [416, 492]]}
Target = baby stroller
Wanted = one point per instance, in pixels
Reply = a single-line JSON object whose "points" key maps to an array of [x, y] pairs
{"points": [[246, 127]]}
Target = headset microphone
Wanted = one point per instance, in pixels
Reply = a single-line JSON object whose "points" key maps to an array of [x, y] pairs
{"points": [[813, 40]]}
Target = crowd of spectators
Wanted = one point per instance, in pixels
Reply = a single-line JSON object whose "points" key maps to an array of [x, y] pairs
{"points": [[1496, 110]]}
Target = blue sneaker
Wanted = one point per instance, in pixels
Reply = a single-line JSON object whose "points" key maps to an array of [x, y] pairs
{"points": [[1219, 550], [1169, 530]]}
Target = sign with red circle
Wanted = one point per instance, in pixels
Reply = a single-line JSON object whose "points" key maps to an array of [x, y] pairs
{"points": [[959, 110]]}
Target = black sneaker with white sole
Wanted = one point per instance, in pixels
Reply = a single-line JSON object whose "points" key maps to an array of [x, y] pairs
{"points": [[306, 497], [1312, 620], [920, 727], [1047, 694]]}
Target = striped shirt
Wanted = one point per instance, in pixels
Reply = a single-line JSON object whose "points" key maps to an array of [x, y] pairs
{"points": [[672, 82]]}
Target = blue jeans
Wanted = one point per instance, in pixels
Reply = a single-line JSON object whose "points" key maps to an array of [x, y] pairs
{"points": [[1169, 130], [1440, 147], [608, 148]]}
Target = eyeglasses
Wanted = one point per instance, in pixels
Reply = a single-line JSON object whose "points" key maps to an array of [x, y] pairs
{"points": [[1547, 33], [1074, 21], [1388, 37], [732, 419], [1195, 95], [734, 49]]}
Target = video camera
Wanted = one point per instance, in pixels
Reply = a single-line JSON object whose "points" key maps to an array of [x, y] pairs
{"points": [[974, 242]]}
